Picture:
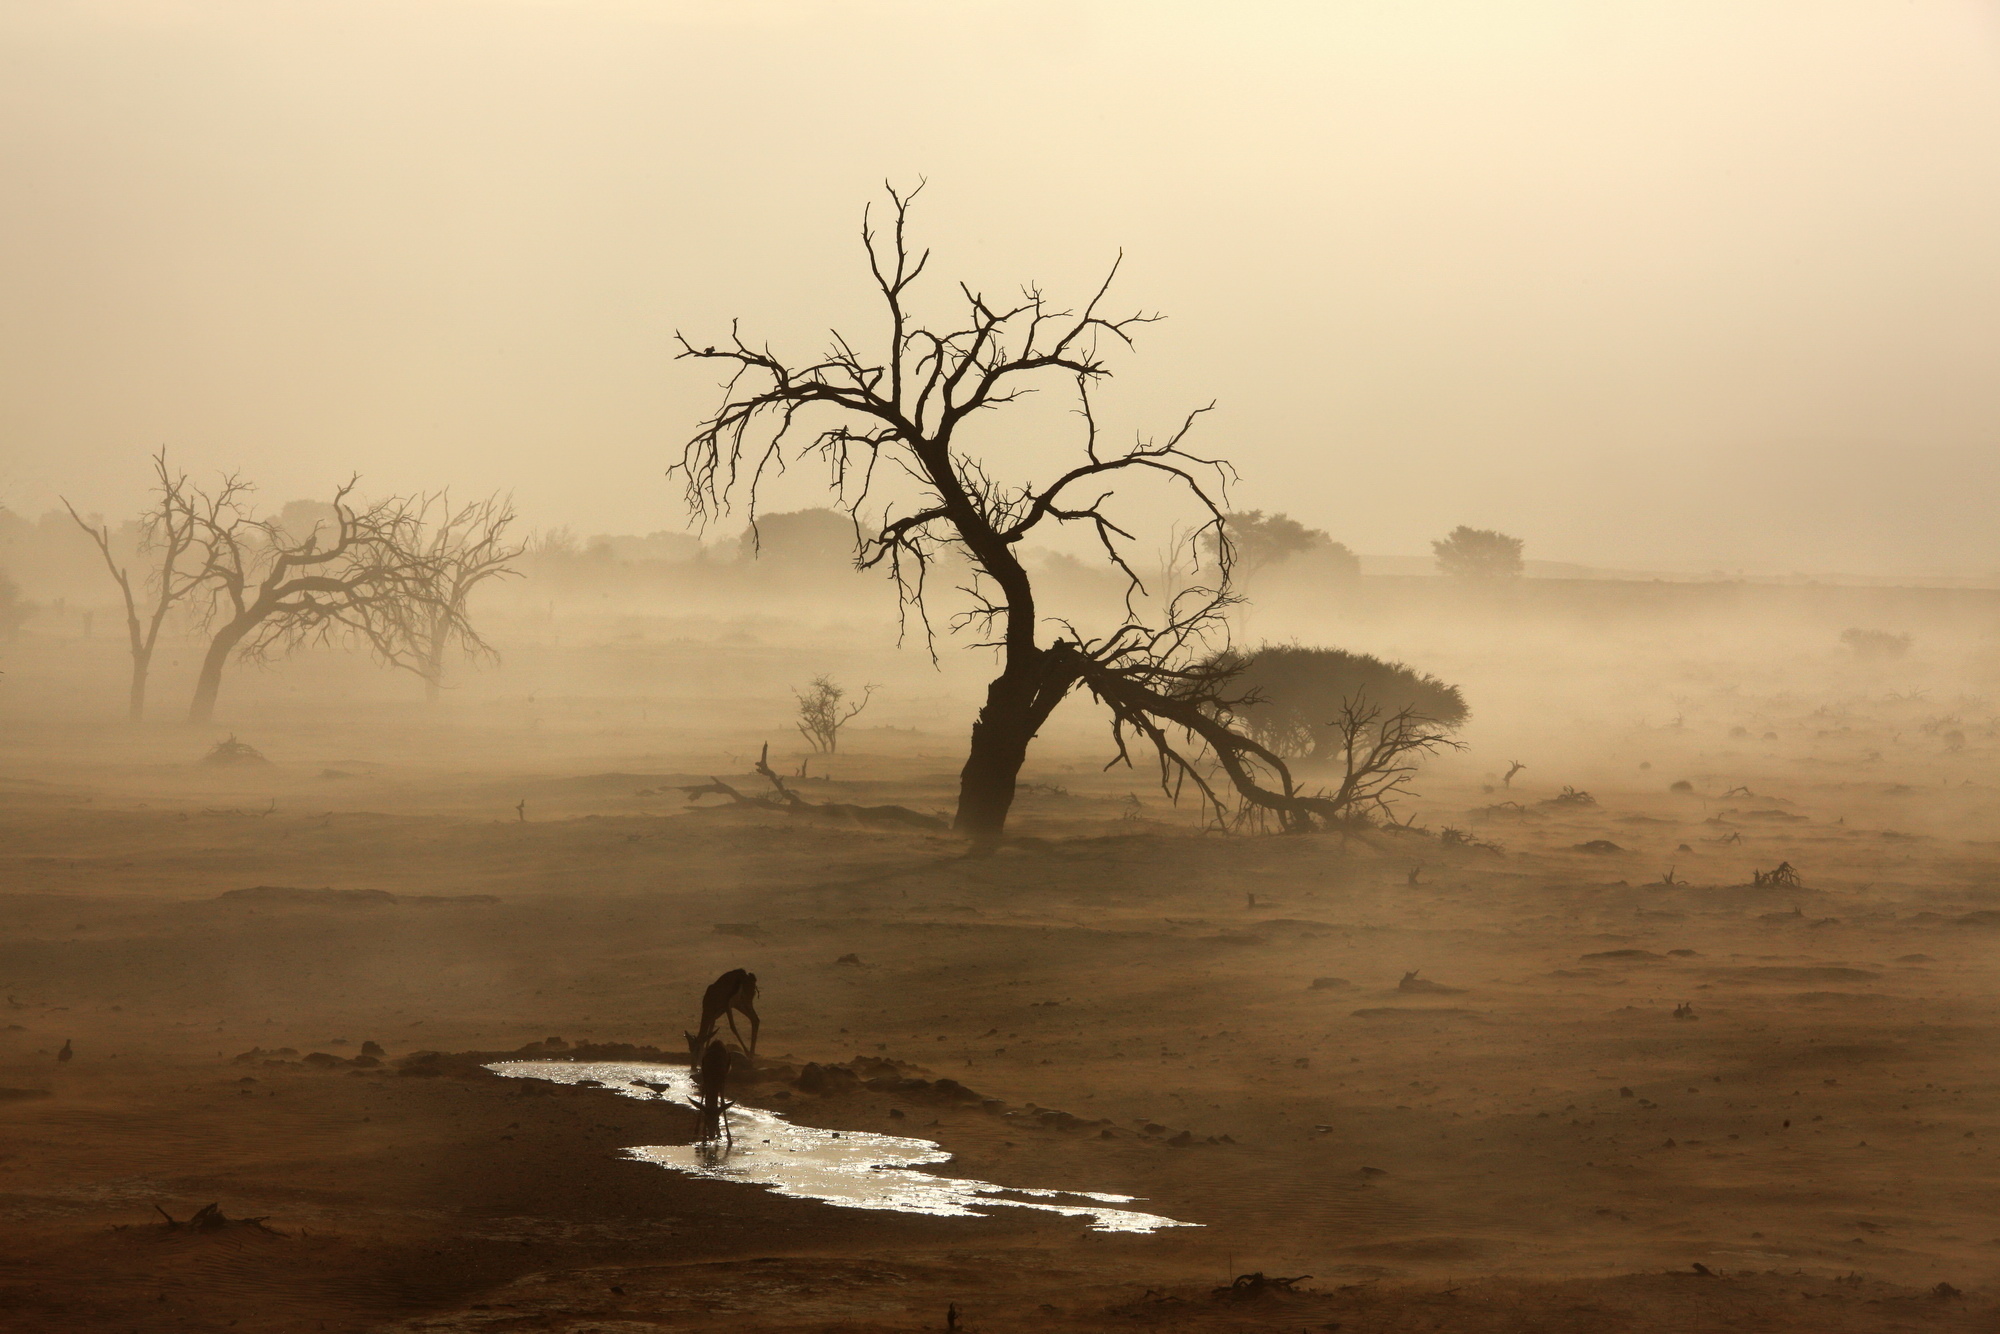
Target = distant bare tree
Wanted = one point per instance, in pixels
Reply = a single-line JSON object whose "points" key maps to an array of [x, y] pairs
{"points": [[166, 534], [456, 549], [820, 715], [1478, 553], [898, 414], [266, 591], [560, 543]]}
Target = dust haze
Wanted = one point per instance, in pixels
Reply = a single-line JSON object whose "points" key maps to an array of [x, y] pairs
{"points": [[891, 667]]}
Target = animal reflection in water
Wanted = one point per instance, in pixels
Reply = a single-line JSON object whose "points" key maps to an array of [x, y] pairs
{"points": [[709, 1057], [848, 1169]]}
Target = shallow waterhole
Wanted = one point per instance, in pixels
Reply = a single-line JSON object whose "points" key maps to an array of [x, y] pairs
{"points": [[848, 1168]]}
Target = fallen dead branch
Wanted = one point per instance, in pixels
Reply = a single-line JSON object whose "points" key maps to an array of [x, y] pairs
{"points": [[1459, 838], [1249, 1286], [210, 1218], [791, 803]]}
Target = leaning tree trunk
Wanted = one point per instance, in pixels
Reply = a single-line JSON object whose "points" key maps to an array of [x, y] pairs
{"points": [[1018, 702], [1000, 737], [209, 683]]}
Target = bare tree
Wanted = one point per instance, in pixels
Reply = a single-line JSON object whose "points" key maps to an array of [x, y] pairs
{"points": [[820, 714], [457, 549], [1379, 754], [267, 591], [877, 420], [166, 534], [899, 414]]}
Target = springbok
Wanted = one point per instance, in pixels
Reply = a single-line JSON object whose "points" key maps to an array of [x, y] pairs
{"points": [[734, 993]]}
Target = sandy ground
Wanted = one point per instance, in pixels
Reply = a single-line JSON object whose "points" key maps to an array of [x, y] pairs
{"points": [[1544, 1146]]}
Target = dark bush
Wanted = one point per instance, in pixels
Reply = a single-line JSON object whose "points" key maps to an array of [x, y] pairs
{"points": [[1875, 643], [1292, 695], [1479, 553], [815, 538]]}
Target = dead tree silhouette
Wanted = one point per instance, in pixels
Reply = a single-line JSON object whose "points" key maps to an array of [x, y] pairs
{"points": [[267, 591], [460, 547], [166, 532], [897, 414]]}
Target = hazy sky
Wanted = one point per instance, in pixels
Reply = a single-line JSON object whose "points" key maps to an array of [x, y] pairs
{"points": [[1647, 282]]}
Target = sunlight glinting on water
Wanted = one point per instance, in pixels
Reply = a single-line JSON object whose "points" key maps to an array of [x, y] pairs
{"points": [[851, 1169]]}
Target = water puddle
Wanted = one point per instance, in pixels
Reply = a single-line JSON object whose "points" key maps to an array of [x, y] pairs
{"points": [[852, 1169]]}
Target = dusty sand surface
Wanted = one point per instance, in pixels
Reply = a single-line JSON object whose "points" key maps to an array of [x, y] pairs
{"points": [[1545, 1145]]}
